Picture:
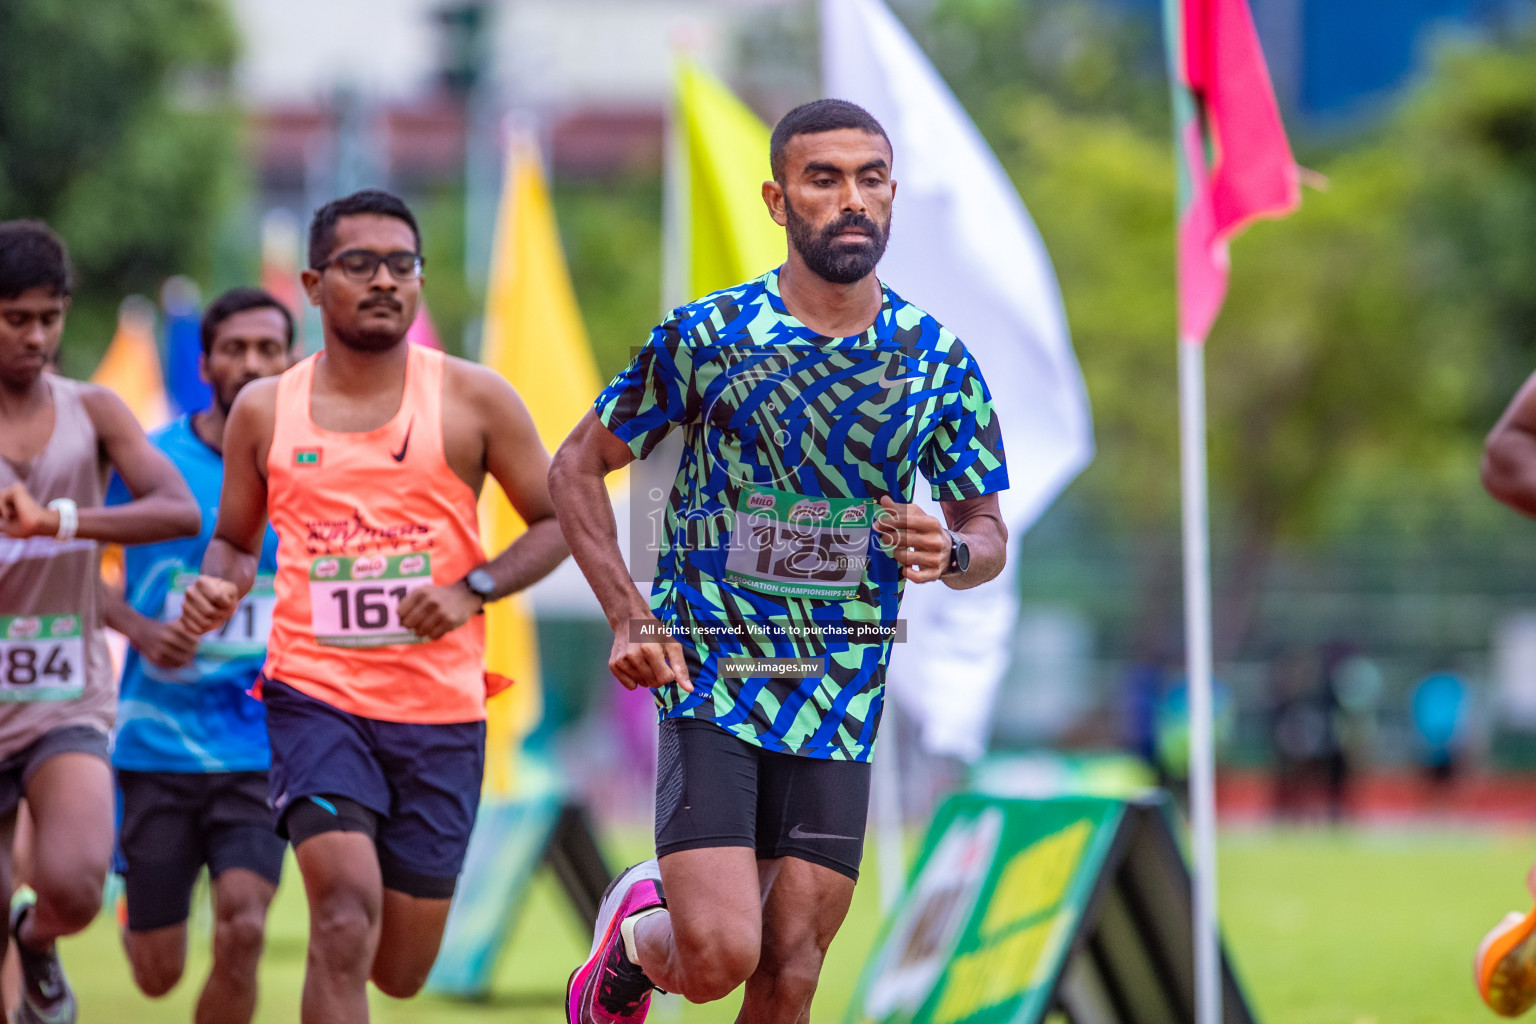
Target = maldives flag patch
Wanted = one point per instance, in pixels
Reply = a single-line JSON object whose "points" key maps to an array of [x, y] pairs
{"points": [[306, 456]]}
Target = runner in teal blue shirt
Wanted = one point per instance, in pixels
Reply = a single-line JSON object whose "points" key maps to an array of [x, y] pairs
{"points": [[190, 747]]}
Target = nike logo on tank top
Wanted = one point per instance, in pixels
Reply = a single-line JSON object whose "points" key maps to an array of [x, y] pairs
{"points": [[363, 519]]}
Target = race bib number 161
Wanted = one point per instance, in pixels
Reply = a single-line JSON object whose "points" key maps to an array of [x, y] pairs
{"points": [[355, 602]]}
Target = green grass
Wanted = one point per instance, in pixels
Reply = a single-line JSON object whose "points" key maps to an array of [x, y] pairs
{"points": [[1346, 928]]}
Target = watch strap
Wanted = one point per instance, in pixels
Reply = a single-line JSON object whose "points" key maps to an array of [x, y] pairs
{"points": [[69, 518], [954, 553]]}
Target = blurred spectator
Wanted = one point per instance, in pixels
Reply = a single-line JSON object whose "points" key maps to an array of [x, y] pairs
{"points": [[1172, 724], [1438, 707], [1307, 726], [1141, 690]]}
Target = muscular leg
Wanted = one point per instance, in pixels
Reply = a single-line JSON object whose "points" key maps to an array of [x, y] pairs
{"points": [[157, 956], [346, 894], [70, 798], [706, 942], [240, 901], [803, 906], [408, 944]]}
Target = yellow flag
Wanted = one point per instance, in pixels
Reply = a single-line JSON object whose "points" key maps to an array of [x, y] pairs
{"points": [[131, 365], [534, 338], [721, 156]]}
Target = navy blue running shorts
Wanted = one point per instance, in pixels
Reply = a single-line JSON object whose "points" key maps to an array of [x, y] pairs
{"points": [[422, 780], [170, 824]]}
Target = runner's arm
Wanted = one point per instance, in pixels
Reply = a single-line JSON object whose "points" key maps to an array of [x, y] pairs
{"points": [[922, 545], [1509, 455], [164, 643], [517, 460], [515, 457], [979, 522], [576, 475], [233, 555], [162, 507]]}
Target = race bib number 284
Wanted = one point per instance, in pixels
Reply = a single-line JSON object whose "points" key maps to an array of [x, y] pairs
{"points": [[42, 657]]}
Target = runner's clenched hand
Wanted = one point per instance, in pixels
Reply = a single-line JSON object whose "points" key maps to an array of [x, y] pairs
{"points": [[914, 538], [650, 664], [22, 516], [434, 612], [209, 604], [167, 644]]}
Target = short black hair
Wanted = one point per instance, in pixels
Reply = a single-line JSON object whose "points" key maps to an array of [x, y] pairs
{"points": [[32, 256], [322, 230], [239, 300], [813, 118]]}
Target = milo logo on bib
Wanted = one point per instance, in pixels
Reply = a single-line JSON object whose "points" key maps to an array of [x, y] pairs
{"points": [[796, 545], [24, 628], [812, 511], [369, 568]]}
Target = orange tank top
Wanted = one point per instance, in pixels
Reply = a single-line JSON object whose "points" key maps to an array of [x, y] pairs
{"points": [[362, 519]]}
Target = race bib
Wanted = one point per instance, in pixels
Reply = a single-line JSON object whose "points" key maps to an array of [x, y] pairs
{"points": [[42, 657], [789, 545], [244, 635], [355, 602]]}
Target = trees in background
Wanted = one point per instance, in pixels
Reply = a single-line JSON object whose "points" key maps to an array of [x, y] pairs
{"points": [[116, 128], [1368, 340]]}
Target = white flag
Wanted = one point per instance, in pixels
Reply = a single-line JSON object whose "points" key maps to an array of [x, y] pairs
{"points": [[964, 248]]}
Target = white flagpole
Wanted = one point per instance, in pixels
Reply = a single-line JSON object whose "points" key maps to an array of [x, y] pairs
{"points": [[890, 831], [1197, 643]]}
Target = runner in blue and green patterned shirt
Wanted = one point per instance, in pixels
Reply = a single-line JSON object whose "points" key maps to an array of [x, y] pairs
{"points": [[809, 401]]}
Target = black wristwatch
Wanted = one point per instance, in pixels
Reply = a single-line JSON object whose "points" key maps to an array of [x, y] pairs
{"points": [[959, 555], [482, 584]]}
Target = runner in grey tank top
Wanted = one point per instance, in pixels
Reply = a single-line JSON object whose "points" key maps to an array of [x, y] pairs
{"points": [[57, 440], [54, 667]]}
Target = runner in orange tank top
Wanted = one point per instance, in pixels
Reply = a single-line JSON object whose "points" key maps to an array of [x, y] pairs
{"points": [[374, 683]]}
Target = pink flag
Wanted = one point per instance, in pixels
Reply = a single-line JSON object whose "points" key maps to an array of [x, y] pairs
{"points": [[422, 331], [1234, 161]]}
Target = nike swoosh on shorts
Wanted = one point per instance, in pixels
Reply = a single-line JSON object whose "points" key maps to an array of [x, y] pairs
{"points": [[799, 833]]}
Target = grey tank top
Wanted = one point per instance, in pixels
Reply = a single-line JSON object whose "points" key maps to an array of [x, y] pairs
{"points": [[49, 592]]}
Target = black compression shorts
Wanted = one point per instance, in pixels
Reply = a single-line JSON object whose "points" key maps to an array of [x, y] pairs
{"points": [[713, 789]]}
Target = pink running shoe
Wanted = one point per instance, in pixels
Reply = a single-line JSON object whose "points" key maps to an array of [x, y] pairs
{"points": [[608, 989]]}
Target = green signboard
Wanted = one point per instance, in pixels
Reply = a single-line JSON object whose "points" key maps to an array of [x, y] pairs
{"points": [[1019, 908], [993, 903]]}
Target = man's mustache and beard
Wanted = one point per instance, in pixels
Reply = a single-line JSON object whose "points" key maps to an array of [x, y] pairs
{"points": [[837, 261], [226, 391], [371, 336]]}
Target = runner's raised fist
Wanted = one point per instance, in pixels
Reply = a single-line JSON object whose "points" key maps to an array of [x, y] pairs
{"points": [[209, 604], [914, 538], [22, 516]]}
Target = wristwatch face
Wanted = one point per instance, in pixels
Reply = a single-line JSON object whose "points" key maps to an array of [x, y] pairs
{"points": [[480, 582], [959, 555]]}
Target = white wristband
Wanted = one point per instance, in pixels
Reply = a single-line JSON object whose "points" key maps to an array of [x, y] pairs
{"points": [[69, 517]]}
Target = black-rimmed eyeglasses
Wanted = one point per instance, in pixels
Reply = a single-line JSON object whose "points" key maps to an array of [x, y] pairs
{"points": [[363, 264]]}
